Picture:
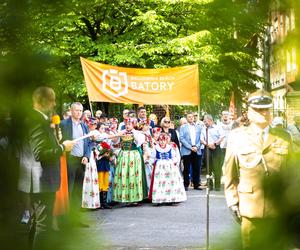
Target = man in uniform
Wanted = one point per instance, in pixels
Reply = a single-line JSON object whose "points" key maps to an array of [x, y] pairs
{"points": [[254, 154]]}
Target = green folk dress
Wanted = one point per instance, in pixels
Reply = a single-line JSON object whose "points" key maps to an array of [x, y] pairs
{"points": [[130, 179]]}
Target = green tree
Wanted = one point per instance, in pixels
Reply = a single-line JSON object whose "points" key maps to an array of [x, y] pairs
{"points": [[155, 34]]}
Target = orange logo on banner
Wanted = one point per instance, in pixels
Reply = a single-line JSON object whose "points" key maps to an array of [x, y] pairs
{"points": [[106, 83]]}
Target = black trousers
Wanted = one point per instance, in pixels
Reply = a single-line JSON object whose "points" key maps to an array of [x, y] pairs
{"points": [[41, 235], [75, 181], [194, 160]]}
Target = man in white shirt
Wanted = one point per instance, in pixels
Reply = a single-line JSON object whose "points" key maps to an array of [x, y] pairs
{"points": [[74, 128], [212, 137], [225, 126]]}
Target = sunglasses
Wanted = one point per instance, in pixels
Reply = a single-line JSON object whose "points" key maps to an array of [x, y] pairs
{"points": [[166, 121]]}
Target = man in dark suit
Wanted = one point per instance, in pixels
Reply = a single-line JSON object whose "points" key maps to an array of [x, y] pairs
{"points": [[73, 128], [47, 151]]}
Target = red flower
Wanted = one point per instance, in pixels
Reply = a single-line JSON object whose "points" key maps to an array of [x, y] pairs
{"points": [[104, 145]]}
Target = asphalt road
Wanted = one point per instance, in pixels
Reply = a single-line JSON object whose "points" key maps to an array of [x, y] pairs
{"points": [[150, 227], [165, 227]]}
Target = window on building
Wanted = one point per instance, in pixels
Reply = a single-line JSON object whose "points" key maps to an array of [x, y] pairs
{"points": [[282, 80], [281, 31], [276, 102], [294, 59], [287, 24], [288, 61], [274, 33], [292, 19], [281, 102]]}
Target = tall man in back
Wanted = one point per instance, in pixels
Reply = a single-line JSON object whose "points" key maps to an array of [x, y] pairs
{"points": [[142, 116], [191, 151], [211, 137], [73, 128], [47, 151]]}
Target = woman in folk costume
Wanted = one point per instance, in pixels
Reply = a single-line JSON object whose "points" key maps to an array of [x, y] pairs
{"points": [[155, 134], [109, 135], [90, 189], [176, 150], [115, 146], [130, 180], [174, 142], [147, 149], [166, 183], [113, 125], [104, 153]]}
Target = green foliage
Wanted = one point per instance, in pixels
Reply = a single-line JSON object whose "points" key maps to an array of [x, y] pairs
{"points": [[154, 34]]}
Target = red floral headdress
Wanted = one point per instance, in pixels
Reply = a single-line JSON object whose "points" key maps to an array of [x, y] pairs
{"points": [[156, 130], [91, 121], [164, 136], [131, 120]]}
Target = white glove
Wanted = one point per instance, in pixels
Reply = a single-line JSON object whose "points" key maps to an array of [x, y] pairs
{"points": [[235, 211]]}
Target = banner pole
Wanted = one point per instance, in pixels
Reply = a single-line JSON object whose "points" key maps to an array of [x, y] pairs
{"points": [[91, 108], [208, 180]]}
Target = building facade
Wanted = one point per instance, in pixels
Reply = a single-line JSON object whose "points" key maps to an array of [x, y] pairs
{"points": [[284, 60]]}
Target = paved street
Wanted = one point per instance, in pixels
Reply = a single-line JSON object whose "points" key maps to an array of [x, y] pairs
{"points": [[165, 227], [152, 227]]}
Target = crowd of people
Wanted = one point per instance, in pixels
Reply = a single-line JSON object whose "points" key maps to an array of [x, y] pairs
{"points": [[111, 162]]}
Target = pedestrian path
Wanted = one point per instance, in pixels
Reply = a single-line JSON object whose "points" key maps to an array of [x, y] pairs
{"points": [[167, 227], [149, 227]]}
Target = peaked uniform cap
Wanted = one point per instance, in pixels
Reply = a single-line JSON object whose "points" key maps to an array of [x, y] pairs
{"points": [[260, 99]]}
